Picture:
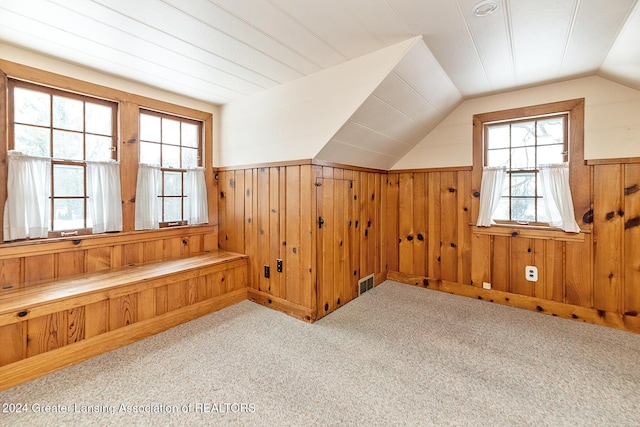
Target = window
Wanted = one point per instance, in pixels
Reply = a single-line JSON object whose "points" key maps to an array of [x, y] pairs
{"points": [[528, 167], [71, 130], [521, 147], [174, 144]]}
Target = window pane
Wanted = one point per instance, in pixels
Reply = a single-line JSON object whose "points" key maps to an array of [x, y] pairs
{"points": [[99, 147], [170, 131], [498, 157], [31, 107], [31, 140], [173, 183], [551, 131], [523, 158], [498, 136], [523, 134], [523, 209], [170, 156], [523, 185], [173, 209], [68, 180], [189, 158], [149, 153], [189, 135], [99, 119], [149, 128], [67, 113], [68, 214], [67, 145], [550, 154], [502, 212]]}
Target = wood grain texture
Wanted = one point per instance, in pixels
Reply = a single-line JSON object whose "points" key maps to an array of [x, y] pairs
{"points": [[13, 339], [608, 231], [46, 333], [632, 239]]}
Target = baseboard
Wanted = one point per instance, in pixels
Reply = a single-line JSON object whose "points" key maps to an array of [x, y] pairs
{"points": [[279, 304], [36, 366], [568, 311]]}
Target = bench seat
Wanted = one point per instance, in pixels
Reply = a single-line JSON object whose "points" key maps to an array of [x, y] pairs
{"points": [[51, 324]]}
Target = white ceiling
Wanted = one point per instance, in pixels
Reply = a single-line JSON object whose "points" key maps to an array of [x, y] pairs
{"points": [[220, 50]]}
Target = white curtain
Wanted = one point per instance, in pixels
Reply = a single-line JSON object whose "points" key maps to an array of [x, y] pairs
{"points": [[557, 196], [491, 188], [196, 211], [103, 190], [28, 206], [148, 188]]}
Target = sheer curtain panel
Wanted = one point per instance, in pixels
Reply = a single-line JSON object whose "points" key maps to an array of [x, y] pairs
{"points": [[27, 209], [491, 188], [147, 191], [556, 194], [196, 191], [105, 202]]}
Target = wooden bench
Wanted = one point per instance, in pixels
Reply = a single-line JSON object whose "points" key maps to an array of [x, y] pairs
{"points": [[52, 324]]}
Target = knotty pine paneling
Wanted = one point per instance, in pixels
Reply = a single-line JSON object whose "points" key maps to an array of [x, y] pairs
{"points": [[96, 318], [11, 272], [391, 233], [22, 339], [13, 342], [631, 238], [607, 234], [596, 269], [49, 260], [270, 213], [46, 333], [434, 233], [40, 267], [75, 325]]}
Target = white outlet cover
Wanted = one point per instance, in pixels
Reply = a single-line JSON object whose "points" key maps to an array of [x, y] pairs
{"points": [[486, 285], [531, 273]]}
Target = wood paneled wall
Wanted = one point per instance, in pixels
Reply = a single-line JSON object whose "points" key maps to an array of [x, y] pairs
{"points": [[271, 212], [25, 263], [594, 275]]}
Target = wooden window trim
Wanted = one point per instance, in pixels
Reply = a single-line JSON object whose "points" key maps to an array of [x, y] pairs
{"points": [[579, 172], [512, 171], [14, 83], [129, 105], [189, 120]]}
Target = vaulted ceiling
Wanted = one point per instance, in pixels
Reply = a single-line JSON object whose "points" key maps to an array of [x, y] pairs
{"points": [[223, 50]]}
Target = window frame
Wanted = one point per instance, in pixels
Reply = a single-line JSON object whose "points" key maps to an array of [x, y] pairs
{"points": [[510, 171], [12, 84], [579, 172], [164, 169]]}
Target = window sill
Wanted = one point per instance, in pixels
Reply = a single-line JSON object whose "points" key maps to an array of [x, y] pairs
{"points": [[530, 231]]}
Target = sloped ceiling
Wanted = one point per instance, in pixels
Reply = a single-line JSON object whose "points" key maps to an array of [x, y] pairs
{"points": [[220, 51], [407, 105]]}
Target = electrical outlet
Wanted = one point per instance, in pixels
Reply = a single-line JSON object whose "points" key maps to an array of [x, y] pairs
{"points": [[531, 273], [486, 285], [267, 271], [279, 265]]}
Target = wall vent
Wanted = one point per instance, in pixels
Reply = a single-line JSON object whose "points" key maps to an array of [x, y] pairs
{"points": [[365, 284]]}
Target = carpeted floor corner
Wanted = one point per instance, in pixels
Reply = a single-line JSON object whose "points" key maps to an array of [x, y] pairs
{"points": [[398, 355]]}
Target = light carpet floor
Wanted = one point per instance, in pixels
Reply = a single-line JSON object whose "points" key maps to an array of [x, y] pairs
{"points": [[398, 355]]}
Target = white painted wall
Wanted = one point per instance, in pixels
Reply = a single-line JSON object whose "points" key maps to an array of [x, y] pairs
{"points": [[612, 122], [296, 120], [35, 60]]}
